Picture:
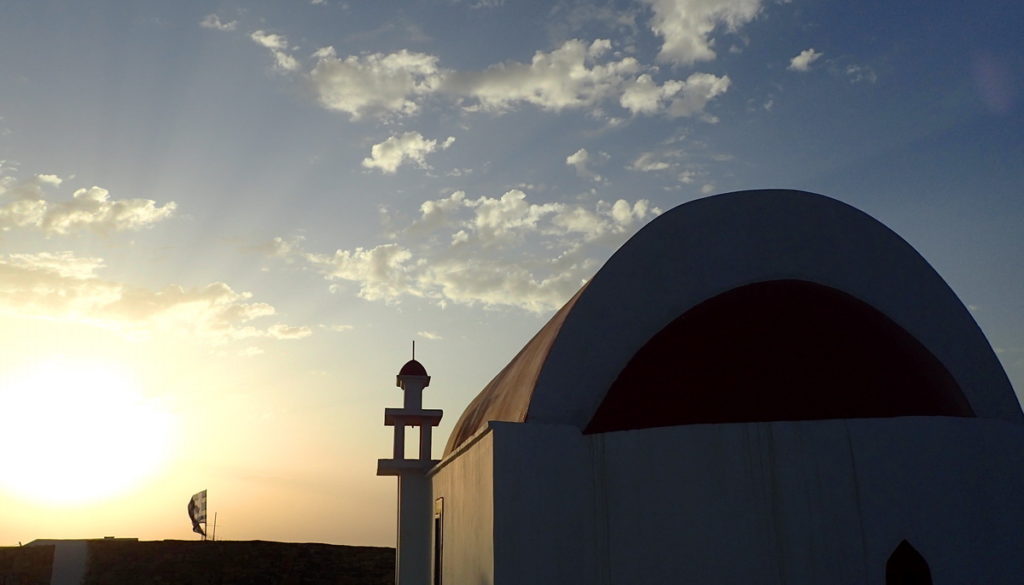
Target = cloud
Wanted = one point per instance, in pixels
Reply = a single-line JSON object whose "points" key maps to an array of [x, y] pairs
{"points": [[378, 84], [644, 96], [282, 331], [579, 160], [384, 272], [278, 46], [678, 98], [61, 264], [860, 74], [409, 147], [64, 286], [575, 75], [653, 161], [24, 204], [511, 214], [803, 61], [269, 40], [429, 335], [212, 21], [686, 26], [491, 251], [570, 76]]}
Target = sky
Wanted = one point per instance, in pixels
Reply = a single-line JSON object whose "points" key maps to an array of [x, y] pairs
{"points": [[223, 223]]}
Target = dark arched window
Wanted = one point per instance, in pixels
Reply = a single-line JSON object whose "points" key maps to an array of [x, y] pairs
{"points": [[906, 566], [774, 351]]}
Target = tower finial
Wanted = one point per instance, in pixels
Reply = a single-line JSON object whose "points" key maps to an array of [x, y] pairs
{"points": [[413, 349]]}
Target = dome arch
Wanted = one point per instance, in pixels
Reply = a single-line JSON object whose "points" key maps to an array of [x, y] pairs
{"points": [[707, 247]]}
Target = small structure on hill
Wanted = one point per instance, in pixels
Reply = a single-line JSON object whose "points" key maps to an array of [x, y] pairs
{"points": [[759, 387]]}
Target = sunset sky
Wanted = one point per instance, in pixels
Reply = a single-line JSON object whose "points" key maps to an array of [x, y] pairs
{"points": [[222, 223]]}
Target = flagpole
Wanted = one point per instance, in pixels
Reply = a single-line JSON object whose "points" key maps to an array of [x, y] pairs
{"points": [[214, 526]]}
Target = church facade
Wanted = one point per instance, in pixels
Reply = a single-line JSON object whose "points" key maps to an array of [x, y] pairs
{"points": [[759, 387]]}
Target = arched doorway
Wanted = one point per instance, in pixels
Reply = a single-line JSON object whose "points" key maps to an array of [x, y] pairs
{"points": [[906, 566]]}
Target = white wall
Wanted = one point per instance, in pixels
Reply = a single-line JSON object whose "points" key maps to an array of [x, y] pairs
{"points": [[546, 514], [785, 502], [465, 481]]}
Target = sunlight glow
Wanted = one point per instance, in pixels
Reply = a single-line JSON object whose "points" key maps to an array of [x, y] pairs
{"points": [[75, 432]]}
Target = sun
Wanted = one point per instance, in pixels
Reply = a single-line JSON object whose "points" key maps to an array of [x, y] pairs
{"points": [[76, 431]]}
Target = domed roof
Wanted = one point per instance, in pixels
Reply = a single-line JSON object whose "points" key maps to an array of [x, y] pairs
{"points": [[703, 249], [412, 368]]}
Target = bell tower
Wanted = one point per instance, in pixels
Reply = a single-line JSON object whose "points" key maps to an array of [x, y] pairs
{"points": [[412, 563]]}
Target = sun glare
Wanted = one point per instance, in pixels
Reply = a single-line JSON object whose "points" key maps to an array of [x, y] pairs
{"points": [[75, 432]]}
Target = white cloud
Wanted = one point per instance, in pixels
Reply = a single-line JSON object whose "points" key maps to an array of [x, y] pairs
{"points": [[686, 26], [652, 161], [269, 40], [63, 286], [567, 77], [861, 74], [63, 264], [697, 91], [212, 21], [285, 61], [24, 204], [282, 331], [492, 251], [644, 96], [575, 75], [803, 61], [378, 84], [93, 208], [677, 98], [429, 335], [384, 272], [278, 46], [580, 160], [409, 147], [505, 216]]}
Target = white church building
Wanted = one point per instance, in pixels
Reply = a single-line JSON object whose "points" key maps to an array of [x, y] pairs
{"points": [[761, 387]]}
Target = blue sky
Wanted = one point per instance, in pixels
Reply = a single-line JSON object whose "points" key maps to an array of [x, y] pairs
{"points": [[248, 209]]}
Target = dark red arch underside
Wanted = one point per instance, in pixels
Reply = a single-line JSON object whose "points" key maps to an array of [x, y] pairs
{"points": [[778, 350]]}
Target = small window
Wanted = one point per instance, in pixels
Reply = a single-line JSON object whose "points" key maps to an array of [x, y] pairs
{"points": [[438, 538], [906, 566]]}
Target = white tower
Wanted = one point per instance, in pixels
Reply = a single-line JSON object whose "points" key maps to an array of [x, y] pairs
{"points": [[412, 563]]}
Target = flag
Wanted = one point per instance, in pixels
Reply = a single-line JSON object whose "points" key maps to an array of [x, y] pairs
{"points": [[197, 512]]}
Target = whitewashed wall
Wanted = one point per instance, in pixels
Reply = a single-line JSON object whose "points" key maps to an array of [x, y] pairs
{"points": [[786, 502], [466, 484]]}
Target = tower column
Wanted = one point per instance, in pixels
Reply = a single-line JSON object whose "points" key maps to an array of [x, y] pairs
{"points": [[412, 563], [399, 441], [415, 510], [425, 442]]}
